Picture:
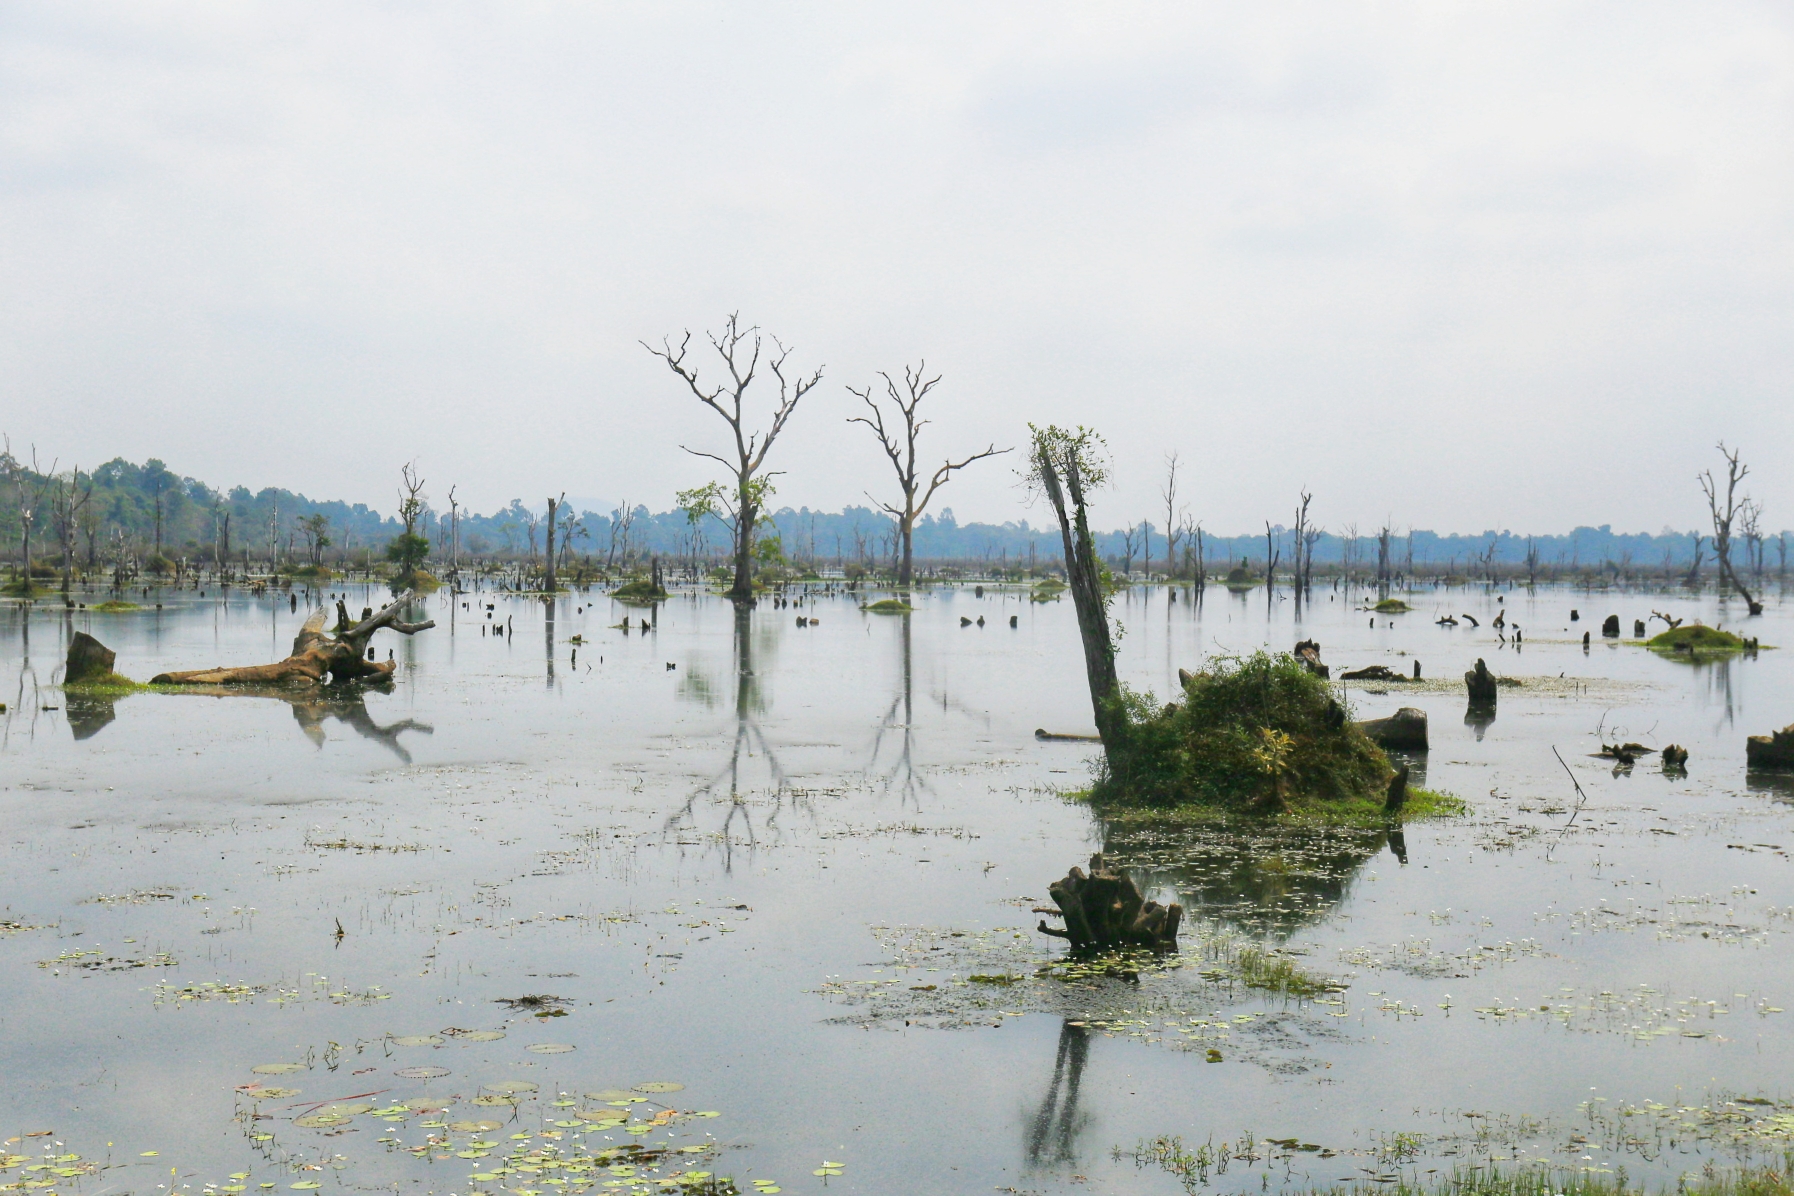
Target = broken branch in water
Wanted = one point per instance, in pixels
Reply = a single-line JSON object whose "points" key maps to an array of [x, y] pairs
{"points": [[316, 655]]}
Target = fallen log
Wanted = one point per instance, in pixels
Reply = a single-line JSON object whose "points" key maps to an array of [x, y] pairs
{"points": [[316, 655], [1103, 911], [1373, 672]]}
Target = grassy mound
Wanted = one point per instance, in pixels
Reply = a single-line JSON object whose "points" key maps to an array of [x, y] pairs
{"points": [[1392, 606], [110, 683], [1047, 590], [1257, 732], [314, 573], [642, 589], [889, 606], [114, 606], [1695, 637]]}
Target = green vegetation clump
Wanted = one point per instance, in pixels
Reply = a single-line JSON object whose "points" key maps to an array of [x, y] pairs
{"points": [[889, 606], [1695, 637], [1047, 589], [642, 589], [314, 573], [1392, 606], [1256, 732], [114, 606], [22, 588], [108, 683], [1193, 1167]]}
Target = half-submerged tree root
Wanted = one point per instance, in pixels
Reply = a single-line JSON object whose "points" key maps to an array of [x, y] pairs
{"points": [[1104, 911], [340, 657]]}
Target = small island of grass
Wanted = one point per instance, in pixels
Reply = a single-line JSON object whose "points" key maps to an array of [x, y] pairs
{"points": [[1255, 734], [1694, 638], [114, 606], [1392, 606], [888, 606], [641, 591]]}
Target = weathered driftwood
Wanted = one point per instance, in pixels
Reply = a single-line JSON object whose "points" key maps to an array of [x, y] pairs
{"points": [[1103, 911], [315, 656], [1309, 653], [88, 660], [1372, 672], [1773, 752], [1481, 684], [1403, 731]]}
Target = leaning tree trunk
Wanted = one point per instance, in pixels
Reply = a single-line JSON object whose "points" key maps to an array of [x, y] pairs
{"points": [[315, 654], [1731, 574], [1087, 597]]}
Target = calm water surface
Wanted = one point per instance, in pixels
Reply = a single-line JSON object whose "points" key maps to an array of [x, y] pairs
{"points": [[741, 851]]}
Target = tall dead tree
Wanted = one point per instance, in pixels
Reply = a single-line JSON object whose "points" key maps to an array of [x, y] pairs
{"points": [[554, 506], [1066, 465], [739, 348], [899, 445], [1173, 517], [1725, 510], [1304, 543], [68, 498], [1383, 561]]}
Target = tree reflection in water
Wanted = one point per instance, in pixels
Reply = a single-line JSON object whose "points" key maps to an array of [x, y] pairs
{"points": [[1057, 1122]]}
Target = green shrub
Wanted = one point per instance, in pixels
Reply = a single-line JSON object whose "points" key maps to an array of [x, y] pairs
{"points": [[1256, 731]]}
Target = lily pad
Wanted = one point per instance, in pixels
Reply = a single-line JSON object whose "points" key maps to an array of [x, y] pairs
{"points": [[277, 1069], [660, 1086], [611, 1094], [479, 1035], [320, 1121], [511, 1086], [474, 1127], [549, 1048], [492, 1100], [421, 1073], [416, 1040], [271, 1093]]}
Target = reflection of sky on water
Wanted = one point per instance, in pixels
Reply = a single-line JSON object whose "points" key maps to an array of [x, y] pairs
{"points": [[522, 810]]}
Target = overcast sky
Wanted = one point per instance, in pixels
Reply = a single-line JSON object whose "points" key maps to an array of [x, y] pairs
{"points": [[1459, 266]]}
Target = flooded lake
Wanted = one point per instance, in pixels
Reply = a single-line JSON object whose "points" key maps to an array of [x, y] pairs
{"points": [[745, 870]]}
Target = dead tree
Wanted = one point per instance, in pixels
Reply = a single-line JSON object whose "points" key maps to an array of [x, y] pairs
{"points": [[1129, 546], [1724, 512], [67, 501], [739, 349], [899, 444], [31, 485], [1064, 465], [1104, 911], [342, 656], [1173, 517], [554, 506]]}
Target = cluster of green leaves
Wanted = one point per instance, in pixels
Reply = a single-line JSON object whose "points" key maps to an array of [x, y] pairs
{"points": [[1253, 731]]}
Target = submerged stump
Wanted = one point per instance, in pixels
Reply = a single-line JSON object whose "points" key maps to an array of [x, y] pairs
{"points": [[88, 661], [1104, 911], [1481, 684], [1403, 731], [1773, 752]]}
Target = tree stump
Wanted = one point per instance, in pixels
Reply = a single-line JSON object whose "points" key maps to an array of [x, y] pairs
{"points": [[88, 661], [1773, 752], [1610, 627], [1103, 911], [1403, 731], [316, 655], [1309, 653], [1481, 684]]}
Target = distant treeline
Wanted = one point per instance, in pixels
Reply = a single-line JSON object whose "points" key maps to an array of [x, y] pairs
{"points": [[146, 511]]}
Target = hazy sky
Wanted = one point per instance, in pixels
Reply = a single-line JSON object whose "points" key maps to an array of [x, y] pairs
{"points": [[1460, 265]]}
